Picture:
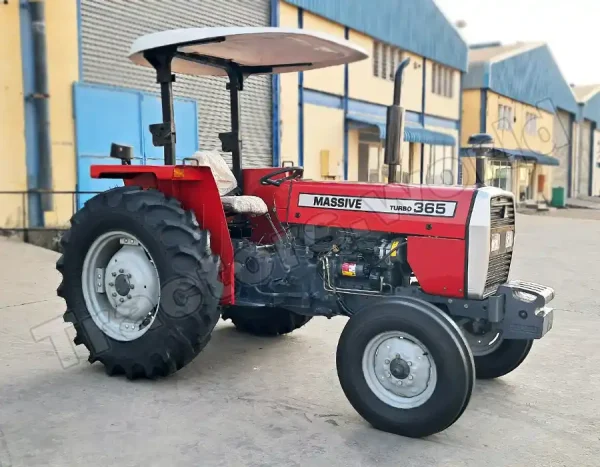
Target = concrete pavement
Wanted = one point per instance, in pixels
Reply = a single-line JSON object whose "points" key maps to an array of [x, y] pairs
{"points": [[248, 401]]}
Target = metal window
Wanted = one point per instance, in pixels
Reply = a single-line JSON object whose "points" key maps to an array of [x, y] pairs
{"points": [[393, 52], [376, 49], [384, 60], [434, 78]]}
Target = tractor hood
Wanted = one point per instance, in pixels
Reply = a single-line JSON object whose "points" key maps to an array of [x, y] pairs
{"points": [[442, 211]]}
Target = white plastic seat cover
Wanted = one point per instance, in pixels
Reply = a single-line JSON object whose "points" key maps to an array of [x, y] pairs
{"points": [[226, 182]]}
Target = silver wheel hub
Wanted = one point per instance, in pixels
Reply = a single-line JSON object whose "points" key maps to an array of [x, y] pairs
{"points": [[399, 369], [120, 286]]}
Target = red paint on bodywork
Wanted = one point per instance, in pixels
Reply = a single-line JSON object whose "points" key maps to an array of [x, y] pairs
{"points": [[438, 264], [448, 227], [197, 191]]}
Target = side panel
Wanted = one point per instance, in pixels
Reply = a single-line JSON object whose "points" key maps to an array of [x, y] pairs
{"points": [[377, 207], [438, 264]]}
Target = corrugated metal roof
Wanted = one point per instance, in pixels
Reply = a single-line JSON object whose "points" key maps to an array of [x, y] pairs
{"points": [[589, 99], [417, 26], [525, 72], [501, 52]]}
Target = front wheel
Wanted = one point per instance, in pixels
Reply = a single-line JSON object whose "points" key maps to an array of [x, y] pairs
{"points": [[405, 367]]}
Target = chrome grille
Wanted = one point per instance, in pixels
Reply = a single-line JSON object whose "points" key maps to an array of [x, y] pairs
{"points": [[498, 269], [502, 211], [502, 218]]}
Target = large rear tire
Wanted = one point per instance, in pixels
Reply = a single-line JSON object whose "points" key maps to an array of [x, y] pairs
{"points": [[265, 321], [135, 321], [405, 367]]}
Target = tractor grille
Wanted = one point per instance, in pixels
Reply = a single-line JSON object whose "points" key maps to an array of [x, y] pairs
{"points": [[502, 216], [503, 212]]}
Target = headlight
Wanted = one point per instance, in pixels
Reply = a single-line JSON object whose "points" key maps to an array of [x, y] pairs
{"points": [[495, 245], [510, 238]]}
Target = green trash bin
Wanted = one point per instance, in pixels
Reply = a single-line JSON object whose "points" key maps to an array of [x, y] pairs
{"points": [[558, 197]]}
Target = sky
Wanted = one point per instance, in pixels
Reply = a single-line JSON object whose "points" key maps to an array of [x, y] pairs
{"points": [[570, 27]]}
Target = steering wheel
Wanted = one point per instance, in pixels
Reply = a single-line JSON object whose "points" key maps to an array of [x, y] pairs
{"points": [[296, 172]]}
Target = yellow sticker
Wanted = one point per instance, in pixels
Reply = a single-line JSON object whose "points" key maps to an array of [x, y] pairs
{"points": [[178, 172], [395, 248]]}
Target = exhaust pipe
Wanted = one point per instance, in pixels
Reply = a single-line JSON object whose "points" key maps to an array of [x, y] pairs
{"points": [[482, 144], [395, 126]]}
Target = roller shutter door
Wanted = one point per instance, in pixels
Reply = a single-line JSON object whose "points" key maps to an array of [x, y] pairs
{"points": [[583, 185], [108, 28]]}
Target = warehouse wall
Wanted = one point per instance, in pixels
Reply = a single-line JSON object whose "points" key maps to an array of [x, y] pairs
{"points": [[63, 71], [517, 138], [13, 175], [471, 115]]}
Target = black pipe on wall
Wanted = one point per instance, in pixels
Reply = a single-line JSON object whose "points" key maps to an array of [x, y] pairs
{"points": [[41, 100]]}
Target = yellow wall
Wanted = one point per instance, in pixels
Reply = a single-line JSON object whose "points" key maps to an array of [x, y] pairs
{"points": [[13, 173], [63, 71], [441, 106], [353, 155], [363, 85], [289, 95], [323, 131], [330, 79], [62, 55], [471, 115], [517, 138]]}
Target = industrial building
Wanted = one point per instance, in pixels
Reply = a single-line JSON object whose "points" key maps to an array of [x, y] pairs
{"points": [[70, 91], [518, 95], [330, 121], [586, 163]]}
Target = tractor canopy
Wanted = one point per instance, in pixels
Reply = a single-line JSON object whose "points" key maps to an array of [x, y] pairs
{"points": [[204, 51]]}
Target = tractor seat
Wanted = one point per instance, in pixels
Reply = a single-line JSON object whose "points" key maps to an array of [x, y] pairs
{"points": [[226, 183]]}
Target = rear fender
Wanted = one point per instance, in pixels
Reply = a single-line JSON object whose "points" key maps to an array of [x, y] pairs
{"points": [[196, 190]]}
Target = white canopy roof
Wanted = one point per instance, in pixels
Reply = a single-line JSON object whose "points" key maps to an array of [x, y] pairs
{"points": [[284, 49]]}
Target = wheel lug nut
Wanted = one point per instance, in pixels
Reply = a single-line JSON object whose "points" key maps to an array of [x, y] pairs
{"points": [[111, 284], [128, 276], [409, 363], [410, 377], [131, 286], [114, 274], [397, 355], [129, 297], [114, 294], [388, 374], [121, 271], [121, 300], [387, 362]]}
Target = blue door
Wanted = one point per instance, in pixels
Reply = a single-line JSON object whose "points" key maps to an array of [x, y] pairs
{"points": [[105, 115]]}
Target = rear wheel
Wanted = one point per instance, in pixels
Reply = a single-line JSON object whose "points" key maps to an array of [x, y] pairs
{"points": [[405, 367], [265, 321], [494, 356], [140, 282]]}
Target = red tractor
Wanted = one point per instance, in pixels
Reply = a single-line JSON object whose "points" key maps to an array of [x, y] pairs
{"points": [[420, 271]]}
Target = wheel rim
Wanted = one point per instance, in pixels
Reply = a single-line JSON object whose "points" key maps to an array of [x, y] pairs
{"points": [[120, 285], [483, 338], [399, 370]]}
